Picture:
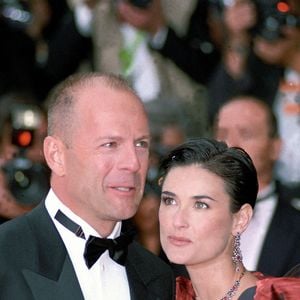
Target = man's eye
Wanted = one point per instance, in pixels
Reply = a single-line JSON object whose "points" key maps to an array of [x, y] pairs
{"points": [[142, 144], [200, 205], [109, 145], [168, 200], [245, 134]]}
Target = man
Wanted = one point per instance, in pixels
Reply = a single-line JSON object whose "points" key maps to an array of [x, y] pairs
{"points": [[19, 194], [188, 50], [97, 148], [270, 70], [268, 245], [121, 48]]}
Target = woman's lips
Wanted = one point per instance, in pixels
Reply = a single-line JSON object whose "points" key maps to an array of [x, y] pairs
{"points": [[178, 241]]}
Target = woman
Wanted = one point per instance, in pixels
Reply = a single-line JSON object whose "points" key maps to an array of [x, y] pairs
{"points": [[208, 194]]}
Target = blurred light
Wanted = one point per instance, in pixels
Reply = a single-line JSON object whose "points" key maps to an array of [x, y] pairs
{"points": [[17, 15], [29, 119], [283, 7], [24, 138]]}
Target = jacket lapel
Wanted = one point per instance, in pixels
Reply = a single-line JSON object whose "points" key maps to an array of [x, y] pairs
{"points": [[65, 287], [146, 281], [279, 241], [53, 274]]}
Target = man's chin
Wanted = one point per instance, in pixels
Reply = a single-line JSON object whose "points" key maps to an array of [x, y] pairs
{"points": [[127, 212]]}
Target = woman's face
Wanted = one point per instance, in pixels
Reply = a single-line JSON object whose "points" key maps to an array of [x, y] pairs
{"points": [[195, 218]]}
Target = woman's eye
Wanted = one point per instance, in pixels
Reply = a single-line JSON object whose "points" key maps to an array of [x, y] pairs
{"points": [[200, 205], [168, 201]]}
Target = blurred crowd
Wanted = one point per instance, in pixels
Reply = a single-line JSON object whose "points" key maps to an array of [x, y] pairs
{"points": [[186, 60]]}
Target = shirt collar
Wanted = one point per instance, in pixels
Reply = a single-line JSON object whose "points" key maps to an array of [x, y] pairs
{"points": [[266, 192], [53, 204]]}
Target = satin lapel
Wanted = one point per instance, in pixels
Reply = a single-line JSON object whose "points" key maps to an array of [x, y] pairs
{"points": [[145, 281], [137, 285], [53, 274], [66, 287]]}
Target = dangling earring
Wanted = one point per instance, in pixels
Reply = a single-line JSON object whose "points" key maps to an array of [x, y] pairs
{"points": [[237, 254]]}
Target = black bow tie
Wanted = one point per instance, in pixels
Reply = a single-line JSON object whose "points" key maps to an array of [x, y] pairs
{"points": [[96, 246], [117, 249]]}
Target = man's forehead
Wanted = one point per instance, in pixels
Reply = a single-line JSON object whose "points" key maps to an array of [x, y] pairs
{"points": [[242, 109]]}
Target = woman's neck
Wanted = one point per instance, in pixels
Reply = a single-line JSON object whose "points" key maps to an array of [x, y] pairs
{"points": [[214, 282]]}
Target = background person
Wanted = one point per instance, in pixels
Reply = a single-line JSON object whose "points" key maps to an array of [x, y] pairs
{"points": [[213, 28], [24, 176], [273, 232], [122, 48], [97, 148], [268, 68], [203, 212], [44, 42], [194, 51]]}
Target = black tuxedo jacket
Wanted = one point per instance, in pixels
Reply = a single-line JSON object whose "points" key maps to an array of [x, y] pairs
{"points": [[281, 247], [34, 264]]}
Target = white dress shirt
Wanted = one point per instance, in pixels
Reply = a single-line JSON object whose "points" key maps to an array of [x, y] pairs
{"points": [[142, 70], [105, 279], [253, 237], [287, 110]]}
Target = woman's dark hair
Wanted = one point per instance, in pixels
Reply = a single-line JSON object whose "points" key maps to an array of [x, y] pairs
{"points": [[232, 164]]}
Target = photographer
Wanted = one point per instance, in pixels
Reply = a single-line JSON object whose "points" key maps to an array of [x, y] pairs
{"points": [[271, 71], [122, 48], [196, 52], [43, 43], [24, 179], [9, 207]]}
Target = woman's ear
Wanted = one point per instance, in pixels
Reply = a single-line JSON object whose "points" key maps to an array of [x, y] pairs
{"points": [[242, 219], [54, 154]]}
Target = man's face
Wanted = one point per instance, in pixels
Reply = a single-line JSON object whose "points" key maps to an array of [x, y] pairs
{"points": [[105, 166], [244, 124]]}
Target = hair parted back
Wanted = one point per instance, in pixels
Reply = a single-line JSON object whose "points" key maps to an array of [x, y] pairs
{"points": [[232, 164], [62, 99]]}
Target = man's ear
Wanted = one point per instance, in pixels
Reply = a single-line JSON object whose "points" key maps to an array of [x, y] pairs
{"points": [[54, 154], [242, 219]]}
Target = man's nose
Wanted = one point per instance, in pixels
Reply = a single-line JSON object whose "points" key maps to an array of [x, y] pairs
{"points": [[130, 159]]}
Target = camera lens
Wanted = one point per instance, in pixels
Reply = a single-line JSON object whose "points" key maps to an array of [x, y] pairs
{"points": [[27, 181]]}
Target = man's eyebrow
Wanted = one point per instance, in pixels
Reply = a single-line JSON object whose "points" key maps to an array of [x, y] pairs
{"points": [[145, 137]]}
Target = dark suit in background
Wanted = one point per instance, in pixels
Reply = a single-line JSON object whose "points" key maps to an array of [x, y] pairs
{"points": [[195, 53], [280, 251]]}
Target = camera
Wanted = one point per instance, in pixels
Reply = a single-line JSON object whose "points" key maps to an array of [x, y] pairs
{"points": [[272, 16], [140, 3], [27, 180]]}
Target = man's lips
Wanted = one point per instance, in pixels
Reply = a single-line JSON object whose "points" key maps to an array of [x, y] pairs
{"points": [[123, 189], [178, 240]]}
